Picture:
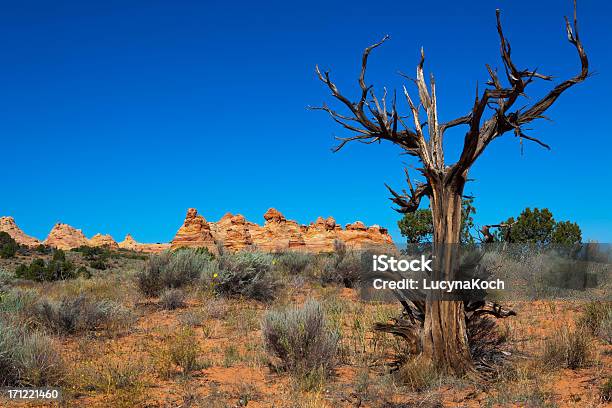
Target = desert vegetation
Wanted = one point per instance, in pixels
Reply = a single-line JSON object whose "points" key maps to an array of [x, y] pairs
{"points": [[170, 330]]}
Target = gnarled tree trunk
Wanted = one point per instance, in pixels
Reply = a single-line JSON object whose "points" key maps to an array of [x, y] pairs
{"points": [[444, 338]]}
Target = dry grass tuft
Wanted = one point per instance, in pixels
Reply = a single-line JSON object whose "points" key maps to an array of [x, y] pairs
{"points": [[568, 348]]}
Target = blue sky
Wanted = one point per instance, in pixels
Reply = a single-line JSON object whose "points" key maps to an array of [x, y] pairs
{"points": [[117, 116]]}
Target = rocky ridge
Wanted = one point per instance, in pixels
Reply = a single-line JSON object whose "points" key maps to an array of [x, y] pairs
{"points": [[232, 232], [278, 233]]}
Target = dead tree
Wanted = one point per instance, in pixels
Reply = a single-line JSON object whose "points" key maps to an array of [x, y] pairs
{"points": [[375, 118]]}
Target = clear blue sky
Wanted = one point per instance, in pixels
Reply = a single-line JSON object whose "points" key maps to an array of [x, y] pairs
{"points": [[117, 116]]}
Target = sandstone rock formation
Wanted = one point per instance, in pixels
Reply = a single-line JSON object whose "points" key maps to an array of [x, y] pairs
{"points": [[278, 233], [8, 225], [131, 244], [100, 240], [195, 233], [358, 236], [320, 235], [233, 232], [63, 236]]}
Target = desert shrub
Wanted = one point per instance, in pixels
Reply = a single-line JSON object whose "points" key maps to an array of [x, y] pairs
{"points": [[8, 246], [39, 359], [247, 274], [28, 359], [171, 270], [81, 313], [300, 338], [149, 279], [343, 268], [597, 318], [567, 348], [184, 267], [17, 300], [172, 299], [293, 262]]}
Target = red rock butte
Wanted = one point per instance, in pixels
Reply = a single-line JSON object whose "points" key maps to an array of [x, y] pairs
{"points": [[232, 232]]}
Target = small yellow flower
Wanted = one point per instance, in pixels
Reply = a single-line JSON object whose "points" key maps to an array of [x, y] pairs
{"points": [[215, 275]]}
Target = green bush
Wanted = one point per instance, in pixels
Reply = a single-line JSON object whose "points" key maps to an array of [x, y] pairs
{"points": [[171, 270], [246, 274], [300, 338], [97, 256], [57, 269], [8, 246], [28, 359]]}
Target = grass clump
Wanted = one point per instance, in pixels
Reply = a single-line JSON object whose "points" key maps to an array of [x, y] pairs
{"points": [[301, 340], [568, 348], [28, 359], [418, 374], [180, 351], [171, 270], [119, 379]]}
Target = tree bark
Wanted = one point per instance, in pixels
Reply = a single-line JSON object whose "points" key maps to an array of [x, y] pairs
{"points": [[445, 340]]}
